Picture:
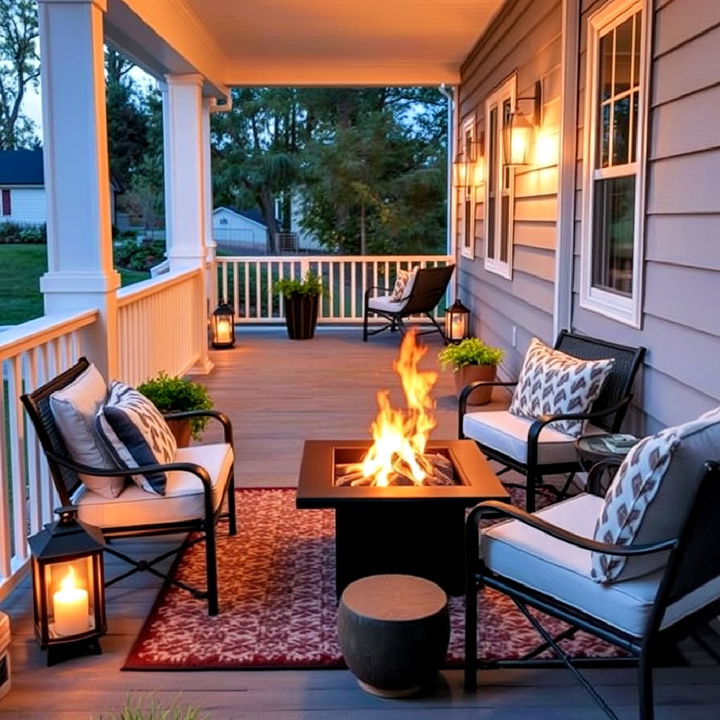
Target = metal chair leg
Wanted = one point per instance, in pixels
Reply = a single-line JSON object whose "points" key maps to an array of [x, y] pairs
{"points": [[365, 324], [232, 520], [645, 686], [211, 569]]}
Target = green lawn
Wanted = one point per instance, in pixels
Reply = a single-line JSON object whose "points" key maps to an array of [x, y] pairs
{"points": [[20, 269]]}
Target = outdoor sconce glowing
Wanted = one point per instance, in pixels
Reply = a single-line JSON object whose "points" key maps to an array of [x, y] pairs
{"points": [[457, 322], [68, 585], [223, 326], [469, 168], [461, 171], [518, 130]]}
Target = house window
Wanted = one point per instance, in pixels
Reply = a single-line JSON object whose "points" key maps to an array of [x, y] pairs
{"points": [[6, 205], [466, 189], [614, 148], [499, 187]]}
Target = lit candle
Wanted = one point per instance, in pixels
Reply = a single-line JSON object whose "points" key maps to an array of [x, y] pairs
{"points": [[458, 327], [223, 331], [71, 607]]}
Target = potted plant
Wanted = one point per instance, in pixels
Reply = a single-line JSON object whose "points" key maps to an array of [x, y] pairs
{"points": [[302, 300], [472, 360], [175, 394]]}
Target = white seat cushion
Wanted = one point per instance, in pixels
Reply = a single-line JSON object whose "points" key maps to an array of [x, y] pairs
{"points": [[383, 302], [183, 499], [507, 433], [562, 571]]}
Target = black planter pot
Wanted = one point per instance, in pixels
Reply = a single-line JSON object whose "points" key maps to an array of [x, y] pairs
{"points": [[301, 312]]}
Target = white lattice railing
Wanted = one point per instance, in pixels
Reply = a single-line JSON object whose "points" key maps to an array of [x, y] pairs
{"points": [[161, 326], [30, 354], [247, 282]]}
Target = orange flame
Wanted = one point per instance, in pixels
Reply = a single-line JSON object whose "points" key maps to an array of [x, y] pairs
{"points": [[401, 435], [69, 582]]}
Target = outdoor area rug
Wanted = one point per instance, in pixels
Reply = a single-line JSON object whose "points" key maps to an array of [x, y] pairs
{"points": [[278, 606]]}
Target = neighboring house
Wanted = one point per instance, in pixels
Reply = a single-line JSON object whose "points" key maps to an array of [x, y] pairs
{"points": [[612, 228], [241, 231], [22, 186]]}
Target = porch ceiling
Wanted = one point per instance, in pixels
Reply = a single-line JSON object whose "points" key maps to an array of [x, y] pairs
{"points": [[308, 42]]}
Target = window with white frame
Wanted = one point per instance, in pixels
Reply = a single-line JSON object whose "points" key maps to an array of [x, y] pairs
{"points": [[466, 189], [615, 153], [499, 182]]}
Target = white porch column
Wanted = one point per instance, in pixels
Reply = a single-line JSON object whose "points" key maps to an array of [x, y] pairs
{"points": [[210, 244], [80, 263], [185, 187]]}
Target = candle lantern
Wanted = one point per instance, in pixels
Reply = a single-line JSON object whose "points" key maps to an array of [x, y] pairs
{"points": [[223, 326], [457, 322], [68, 585]]}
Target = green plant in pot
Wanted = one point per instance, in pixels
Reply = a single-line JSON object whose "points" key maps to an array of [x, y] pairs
{"points": [[472, 360], [175, 394], [302, 301]]}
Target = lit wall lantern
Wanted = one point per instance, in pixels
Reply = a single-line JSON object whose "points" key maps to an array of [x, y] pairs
{"points": [[457, 322], [518, 130], [223, 326], [68, 585], [461, 171]]}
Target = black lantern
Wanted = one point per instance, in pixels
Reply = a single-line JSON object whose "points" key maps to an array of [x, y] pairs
{"points": [[223, 326], [68, 585], [457, 322]]}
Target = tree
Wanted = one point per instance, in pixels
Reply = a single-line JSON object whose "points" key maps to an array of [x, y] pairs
{"points": [[19, 69]]}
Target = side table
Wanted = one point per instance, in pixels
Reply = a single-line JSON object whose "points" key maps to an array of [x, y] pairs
{"points": [[608, 448]]}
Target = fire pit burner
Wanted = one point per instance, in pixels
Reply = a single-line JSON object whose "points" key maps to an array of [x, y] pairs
{"points": [[439, 468]]}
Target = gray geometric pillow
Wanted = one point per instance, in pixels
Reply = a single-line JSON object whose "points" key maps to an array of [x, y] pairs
{"points": [[552, 382], [136, 434], [651, 495]]}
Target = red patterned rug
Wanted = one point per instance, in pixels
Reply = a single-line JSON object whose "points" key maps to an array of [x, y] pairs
{"points": [[277, 602]]}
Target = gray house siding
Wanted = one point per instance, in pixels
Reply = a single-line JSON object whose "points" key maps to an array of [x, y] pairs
{"points": [[525, 38], [682, 223]]}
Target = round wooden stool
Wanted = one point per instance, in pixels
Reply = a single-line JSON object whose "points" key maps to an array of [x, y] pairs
{"points": [[394, 632]]}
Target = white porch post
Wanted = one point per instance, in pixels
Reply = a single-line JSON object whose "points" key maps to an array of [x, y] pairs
{"points": [[80, 263], [210, 244], [185, 193]]}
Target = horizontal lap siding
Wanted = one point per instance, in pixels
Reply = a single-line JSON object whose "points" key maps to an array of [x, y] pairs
{"points": [[680, 325], [525, 38]]}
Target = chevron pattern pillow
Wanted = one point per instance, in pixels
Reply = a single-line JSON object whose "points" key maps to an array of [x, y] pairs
{"points": [[136, 434], [403, 285], [552, 382], [651, 495]]}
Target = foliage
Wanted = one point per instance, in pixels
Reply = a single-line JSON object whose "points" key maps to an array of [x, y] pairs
{"points": [[138, 255], [19, 69], [471, 351], [178, 394], [17, 234], [311, 284], [139, 708]]}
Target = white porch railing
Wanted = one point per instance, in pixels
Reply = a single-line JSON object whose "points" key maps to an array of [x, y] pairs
{"points": [[247, 282], [158, 326], [31, 354]]}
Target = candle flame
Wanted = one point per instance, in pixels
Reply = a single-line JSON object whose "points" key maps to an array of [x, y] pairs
{"points": [[69, 582]]}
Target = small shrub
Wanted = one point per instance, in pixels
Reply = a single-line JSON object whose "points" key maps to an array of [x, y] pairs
{"points": [[311, 284], [12, 233], [130, 254], [471, 351]]}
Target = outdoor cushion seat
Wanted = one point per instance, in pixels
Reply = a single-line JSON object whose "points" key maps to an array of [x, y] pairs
{"points": [[385, 303], [508, 434], [183, 500]]}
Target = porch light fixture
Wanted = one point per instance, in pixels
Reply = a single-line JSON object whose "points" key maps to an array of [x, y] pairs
{"points": [[518, 130], [68, 585], [223, 326], [457, 323], [468, 168]]}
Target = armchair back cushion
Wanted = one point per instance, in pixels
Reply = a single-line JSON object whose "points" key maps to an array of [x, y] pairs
{"points": [[651, 495], [136, 434], [74, 408], [552, 382], [403, 285]]}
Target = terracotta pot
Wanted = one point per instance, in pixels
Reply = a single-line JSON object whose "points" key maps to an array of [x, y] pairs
{"points": [[301, 313], [181, 431], [471, 373]]}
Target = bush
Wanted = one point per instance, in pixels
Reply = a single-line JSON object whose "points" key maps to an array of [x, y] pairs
{"points": [[12, 233], [133, 255], [471, 351]]}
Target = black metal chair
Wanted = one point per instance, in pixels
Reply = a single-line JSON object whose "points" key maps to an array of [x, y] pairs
{"points": [[517, 442], [427, 291], [666, 605], [214, 488]]}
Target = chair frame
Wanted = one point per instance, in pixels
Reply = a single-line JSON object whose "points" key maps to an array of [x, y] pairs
{"points": [[694, 559], [64, 472], [607, 412], [426, 293]]}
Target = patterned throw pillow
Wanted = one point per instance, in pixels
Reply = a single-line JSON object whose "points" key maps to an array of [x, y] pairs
{"points": [[136, 434], [403, 285], [651, 494], [552, 382]]}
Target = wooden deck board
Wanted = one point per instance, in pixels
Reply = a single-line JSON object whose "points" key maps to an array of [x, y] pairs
{"points": [[278, 393]]}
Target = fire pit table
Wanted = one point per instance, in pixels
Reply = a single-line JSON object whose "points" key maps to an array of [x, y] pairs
{"points": [[412, 530]]}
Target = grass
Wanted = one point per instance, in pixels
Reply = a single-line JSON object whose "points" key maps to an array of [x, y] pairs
{"points": [[20, 269]]}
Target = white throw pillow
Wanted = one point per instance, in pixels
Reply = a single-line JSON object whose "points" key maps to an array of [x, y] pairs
{"points": [[552, 382], [403, 285], [136, 434], [651, 494], [74, 409]]}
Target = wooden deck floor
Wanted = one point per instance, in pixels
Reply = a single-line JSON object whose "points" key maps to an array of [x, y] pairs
{"points": [[279, 393]]}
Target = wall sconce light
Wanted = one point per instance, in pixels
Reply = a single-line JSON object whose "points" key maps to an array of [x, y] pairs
{"points": [[468, 168], [518, 130], [223, 326]]}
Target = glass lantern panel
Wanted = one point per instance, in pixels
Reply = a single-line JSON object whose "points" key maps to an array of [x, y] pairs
{"points": [[69, 587]]}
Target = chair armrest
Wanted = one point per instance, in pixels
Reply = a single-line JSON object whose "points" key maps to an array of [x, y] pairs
{"points": [[465, 393], [222, 418], [493, 508]]}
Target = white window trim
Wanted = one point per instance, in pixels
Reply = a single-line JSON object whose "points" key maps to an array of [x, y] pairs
{"points": [[506, 91], [467, 192], [620, 308]]}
